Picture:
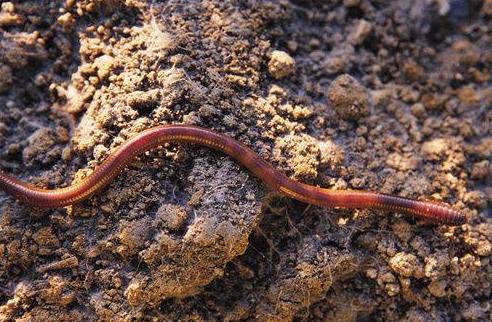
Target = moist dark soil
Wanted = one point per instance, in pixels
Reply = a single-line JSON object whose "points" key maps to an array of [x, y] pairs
{"points": [[390, 96]]}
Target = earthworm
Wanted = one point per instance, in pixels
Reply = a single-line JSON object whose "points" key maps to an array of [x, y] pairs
{"points": [[153, 137]]}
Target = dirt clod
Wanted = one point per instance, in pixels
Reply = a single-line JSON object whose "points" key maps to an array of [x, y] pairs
{"points": [[390, 96], [406, 265], [348, 98], [281, 64], [170, 216]]}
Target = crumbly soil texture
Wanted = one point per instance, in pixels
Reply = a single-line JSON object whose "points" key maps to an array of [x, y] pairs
{"points": [[383, 95]]}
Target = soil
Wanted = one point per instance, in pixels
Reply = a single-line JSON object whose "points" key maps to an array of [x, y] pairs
{"points": [[390, 96]]}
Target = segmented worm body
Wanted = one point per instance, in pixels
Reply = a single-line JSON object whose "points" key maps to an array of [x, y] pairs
{"points": [[116, 161]]}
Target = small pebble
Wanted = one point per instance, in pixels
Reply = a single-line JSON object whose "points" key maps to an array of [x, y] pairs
{"points": [[360, 32], [5, 78]]}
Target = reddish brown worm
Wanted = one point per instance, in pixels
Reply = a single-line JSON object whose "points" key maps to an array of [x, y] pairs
{"points": [[116, 161]]}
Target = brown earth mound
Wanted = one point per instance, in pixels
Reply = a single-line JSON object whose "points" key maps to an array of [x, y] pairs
{"points": [[390, 96]]}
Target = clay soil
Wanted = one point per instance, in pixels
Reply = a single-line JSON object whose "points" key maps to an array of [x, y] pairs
{"points": [[390, 96]]}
